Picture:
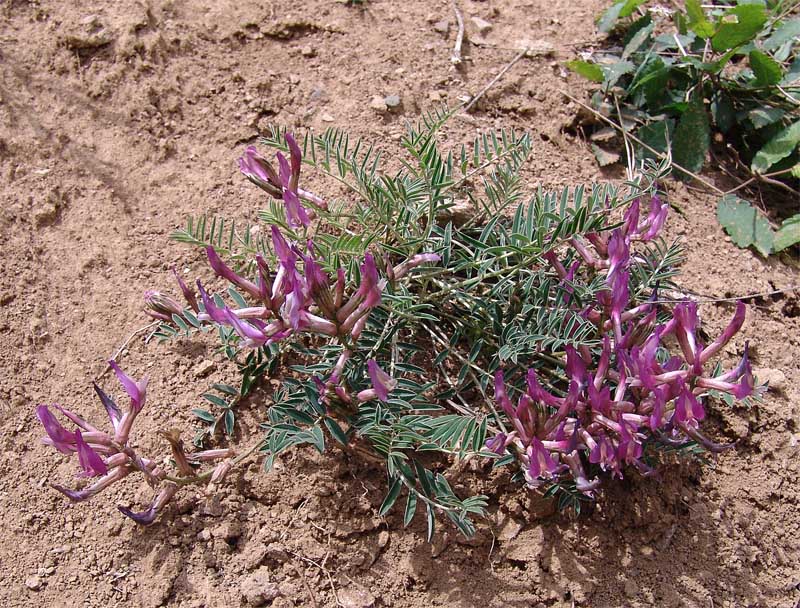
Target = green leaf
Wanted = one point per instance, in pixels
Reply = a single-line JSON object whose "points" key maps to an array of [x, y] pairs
{"points": [[336, 431], [588, 70], [766, 69], [614, 71], [229, 421], [746, 226], [637, 40], [411, 508], [692, 136], [737, 26], [617, 11], [697, 20], [657, 135], [763, 116], [788, 234], [212, 398], [776, 149], [204, 415], [391, 496], [788, 31], [431, 522]]}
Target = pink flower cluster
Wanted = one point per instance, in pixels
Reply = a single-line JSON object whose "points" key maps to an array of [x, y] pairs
{"points": [[613, 405]]}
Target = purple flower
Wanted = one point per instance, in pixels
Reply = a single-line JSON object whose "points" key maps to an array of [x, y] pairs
{"points": [[258, 170], [148, 516], [370, 282], [500, 394], [90, 461], [497, 444], [382, 382], [59, 437], [403, 268], [161, 306], [688, 410], [214, 313], [188, 294], [541, 463], [113, 411], [655, 219], [733, 327], [223, 270], [296, 159], [136, 390]]}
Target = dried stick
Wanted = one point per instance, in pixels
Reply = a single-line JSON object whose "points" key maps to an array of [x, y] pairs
{"points": [[494, 80], [455, 58]]}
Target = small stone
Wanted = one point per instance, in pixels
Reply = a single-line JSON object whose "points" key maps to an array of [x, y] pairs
{"points": [[307, 51], [435, 96], [392, 101], [482, 25], [354, 597], [257, 589], [774, 377], [631, 588], [34, 583], [646, 550], [378, 104], [204, 368], [204, 535], [327, 118], [383, 539], [510, 530], [443, 27], [294, 79]]}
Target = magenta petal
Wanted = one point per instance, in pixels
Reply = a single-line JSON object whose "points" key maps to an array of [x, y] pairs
{"points": [[382, 382], [114, 413], [93, 465], [62, 439], [144, 518], [296, 159], [136, 390], [73, 495], [212, 310]]}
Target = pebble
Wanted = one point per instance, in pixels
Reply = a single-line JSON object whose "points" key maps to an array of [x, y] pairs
{"points": [[774, 377], [257, 589], [631, 588], [443, 27], [392, 101], [482, 25], [34, 583], [353, 597], [435, 96], [327, 118], [307, 51], [378, 104], [204, 368]]}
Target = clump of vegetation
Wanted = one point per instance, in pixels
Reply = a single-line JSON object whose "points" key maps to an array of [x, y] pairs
{"points": [[673, 78], [426, 320]]}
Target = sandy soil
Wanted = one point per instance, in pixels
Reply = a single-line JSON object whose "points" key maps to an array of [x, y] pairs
{"points": [[118, 119]]}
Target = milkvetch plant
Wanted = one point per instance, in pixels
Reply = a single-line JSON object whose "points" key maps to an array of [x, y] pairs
{"points": [[527, 333]]}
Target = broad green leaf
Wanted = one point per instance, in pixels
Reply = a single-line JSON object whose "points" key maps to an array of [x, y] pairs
{"points": [[637, 40], [788, 31], [652, 78], [792, 74], [737, 26], [614, 71], [723, 112], [763, 116], [335, 430], [588, 70], [692, 136], [788, 234], [697, 20], [766, 69], [778, 148], [657, 135], [619, 10], [746, 226]]}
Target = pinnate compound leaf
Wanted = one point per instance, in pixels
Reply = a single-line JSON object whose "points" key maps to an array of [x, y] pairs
{"points": [[588, 70], [776, 149], [745, 225], [692, 136], [737, 26], [788, 234], [697, 20], [766, 69]]}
